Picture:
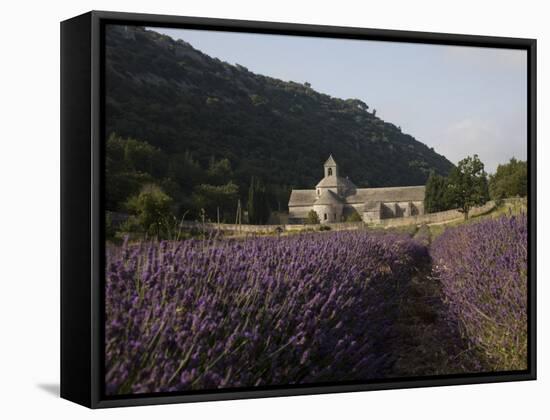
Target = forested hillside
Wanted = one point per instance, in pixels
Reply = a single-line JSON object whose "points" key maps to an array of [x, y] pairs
{"points": [[200, 128]]}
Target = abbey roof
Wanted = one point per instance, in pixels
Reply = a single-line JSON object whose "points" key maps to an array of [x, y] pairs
{"points": [[361, 195], [387, 194], [328, 197], [302, 197], [335, 181]]}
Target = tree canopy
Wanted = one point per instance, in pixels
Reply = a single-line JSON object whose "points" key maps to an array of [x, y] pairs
{"points": [[467, 185], [509, 180], [153, 209]]}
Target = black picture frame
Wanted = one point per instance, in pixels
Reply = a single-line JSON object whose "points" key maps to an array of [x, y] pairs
{"points": [[82, 215]]}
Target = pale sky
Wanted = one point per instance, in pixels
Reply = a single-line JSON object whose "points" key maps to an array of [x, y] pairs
{"points": [[458, 100]]}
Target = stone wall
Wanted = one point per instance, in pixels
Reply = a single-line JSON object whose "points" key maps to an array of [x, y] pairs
{"points": [[444, 216], [439, 217], [264, 229]]}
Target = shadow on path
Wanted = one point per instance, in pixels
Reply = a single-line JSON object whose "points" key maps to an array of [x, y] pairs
{"points": [[428, 340]]}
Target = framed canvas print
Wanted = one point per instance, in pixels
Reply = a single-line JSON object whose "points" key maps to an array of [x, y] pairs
{"points": [[254, 209]]}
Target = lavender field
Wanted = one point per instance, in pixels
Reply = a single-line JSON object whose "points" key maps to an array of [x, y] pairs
{"points": [[483, 271], [311, 308]]}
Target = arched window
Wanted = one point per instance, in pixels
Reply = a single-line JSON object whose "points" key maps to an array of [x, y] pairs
{"points": [[325, 216], [329, 171]]}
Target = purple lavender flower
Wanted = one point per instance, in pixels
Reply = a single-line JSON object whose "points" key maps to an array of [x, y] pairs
{"points": [[270, 311]]}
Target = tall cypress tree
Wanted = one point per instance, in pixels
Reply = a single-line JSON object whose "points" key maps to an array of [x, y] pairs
{"points": [[429, 195], [258, 203], [251, 207], [436, 194]]}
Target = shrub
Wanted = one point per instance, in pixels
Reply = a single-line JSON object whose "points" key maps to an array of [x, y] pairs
{"points": [[354, 217], [312, 218]]}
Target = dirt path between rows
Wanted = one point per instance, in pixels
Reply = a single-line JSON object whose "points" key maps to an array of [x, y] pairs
{"points": [[427, 341]]}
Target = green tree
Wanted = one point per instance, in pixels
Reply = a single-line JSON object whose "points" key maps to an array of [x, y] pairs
{"points": [[312, 218], [279, 195], [258, 203], [509, 180], [216, 199], [436, 196], [467, 185], [152, 207], [185, 171], [129, 165], [219, 171]]}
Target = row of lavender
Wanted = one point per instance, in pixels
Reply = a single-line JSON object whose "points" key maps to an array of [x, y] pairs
{"points": [[267, 311], [483, 271]]}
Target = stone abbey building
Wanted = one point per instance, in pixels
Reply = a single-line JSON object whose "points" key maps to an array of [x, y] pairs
{"points": [[335, 198]]}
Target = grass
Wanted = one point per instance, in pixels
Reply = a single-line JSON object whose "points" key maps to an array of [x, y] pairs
{"points": [[510, 207], [425, 233]]}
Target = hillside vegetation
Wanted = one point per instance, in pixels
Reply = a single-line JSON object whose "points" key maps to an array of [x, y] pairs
{"points": [[181, 119]]}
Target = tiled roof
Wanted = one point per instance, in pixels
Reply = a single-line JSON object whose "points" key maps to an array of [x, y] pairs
{"points": [[328, 197], [369, 196], [335, 181], [388, 194], [302, 198]]}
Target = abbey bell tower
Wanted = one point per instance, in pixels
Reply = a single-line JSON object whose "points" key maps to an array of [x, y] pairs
{"points": [[331, 169]]}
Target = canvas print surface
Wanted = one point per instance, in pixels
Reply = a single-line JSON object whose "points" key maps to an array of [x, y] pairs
{"points": [[288, 211]]}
